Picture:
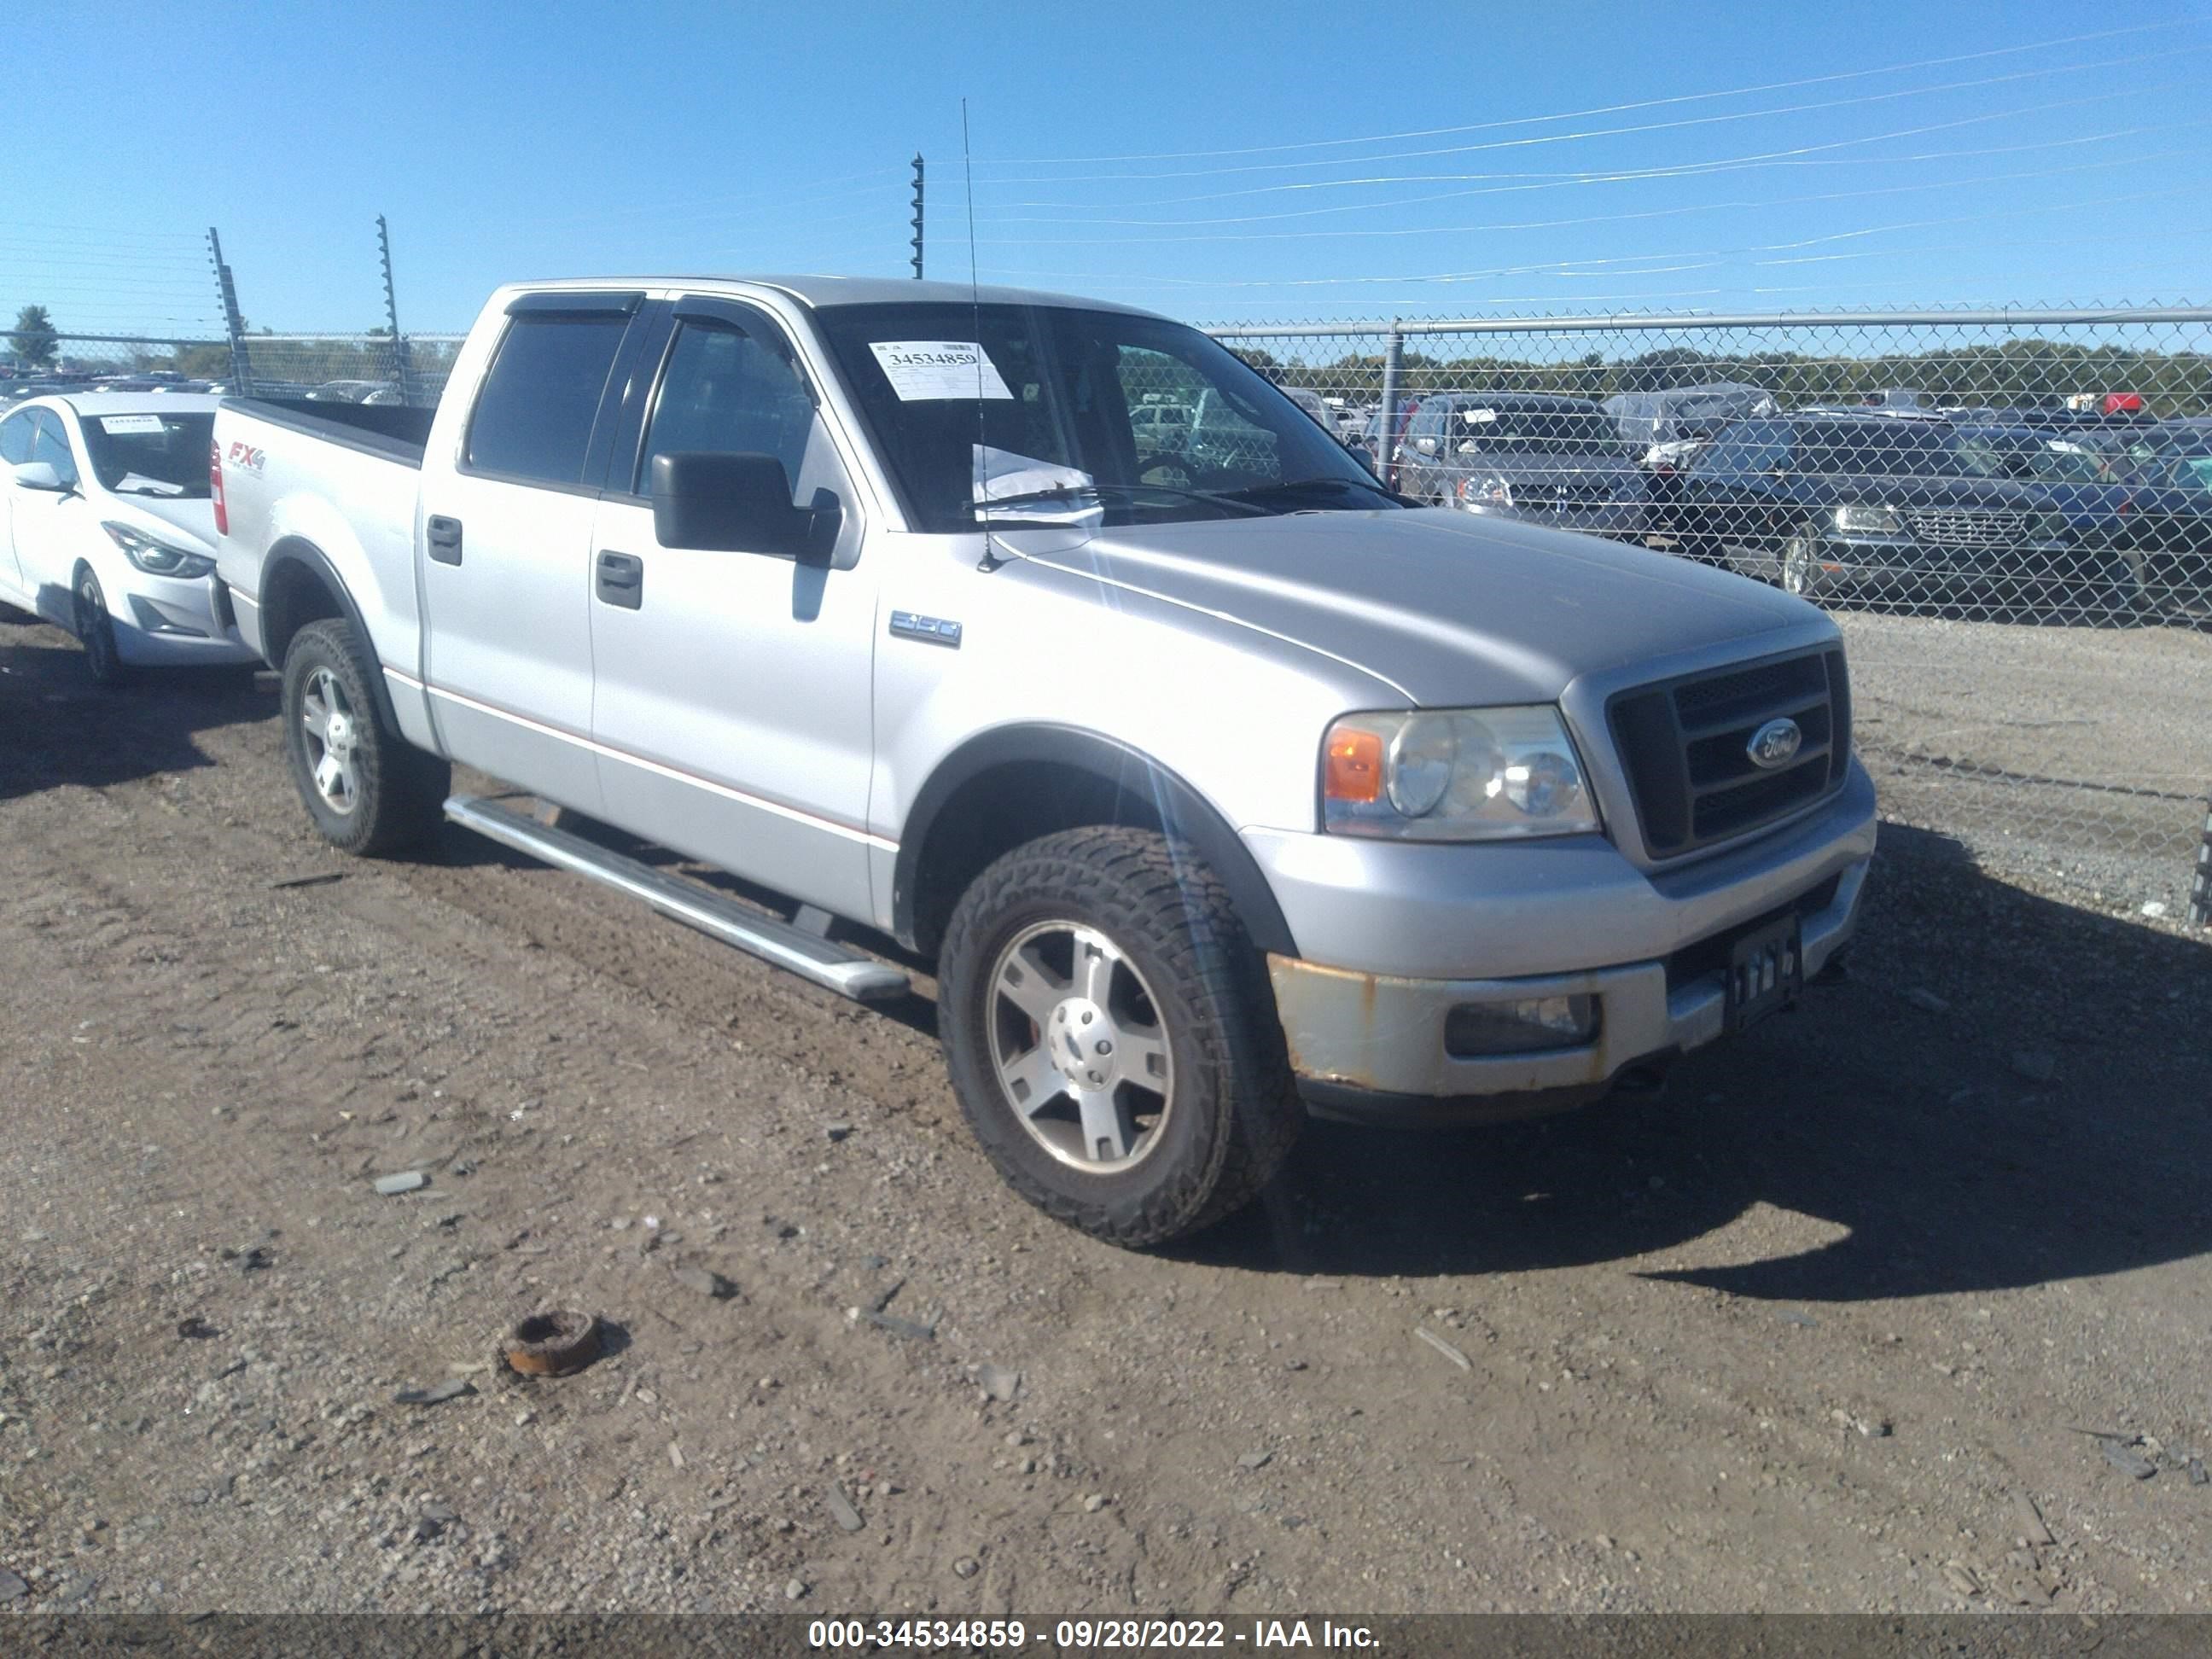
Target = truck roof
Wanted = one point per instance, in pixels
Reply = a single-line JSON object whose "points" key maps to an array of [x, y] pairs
{"points": [[821, 292]]}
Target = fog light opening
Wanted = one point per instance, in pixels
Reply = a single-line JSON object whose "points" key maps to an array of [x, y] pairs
{"points": [[1529, 1025]]}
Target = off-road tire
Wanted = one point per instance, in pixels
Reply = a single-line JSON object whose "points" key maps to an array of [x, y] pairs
{"points": [[402, 789], [1236, 1114]]}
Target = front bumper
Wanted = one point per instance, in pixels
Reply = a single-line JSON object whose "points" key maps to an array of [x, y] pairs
{"points": [[1372, 1047], [1394, 936], [164, 621], [1879, 564]]}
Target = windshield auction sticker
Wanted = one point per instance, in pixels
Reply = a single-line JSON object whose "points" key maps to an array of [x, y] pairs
{"points": [[120, 426], [936, 371]]}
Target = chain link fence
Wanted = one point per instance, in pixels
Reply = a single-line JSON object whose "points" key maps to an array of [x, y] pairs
{"points": [[2010, 512], [332, 368]]}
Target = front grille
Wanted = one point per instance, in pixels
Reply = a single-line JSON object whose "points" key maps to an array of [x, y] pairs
{"points": [[1965, 528], [1685, 746]]}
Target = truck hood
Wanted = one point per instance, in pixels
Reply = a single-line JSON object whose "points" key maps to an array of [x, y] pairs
{"points": [[1453, 609]]}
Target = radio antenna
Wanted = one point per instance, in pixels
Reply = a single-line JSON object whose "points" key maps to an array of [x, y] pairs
{"points": [[991, 558]]}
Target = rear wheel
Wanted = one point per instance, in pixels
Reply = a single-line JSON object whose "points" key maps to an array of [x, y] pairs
{"points": [[368, 790], [1111, 1035], [96, 629]]}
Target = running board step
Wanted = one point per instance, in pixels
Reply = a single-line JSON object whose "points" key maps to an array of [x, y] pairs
{"points": [[808, 954]]}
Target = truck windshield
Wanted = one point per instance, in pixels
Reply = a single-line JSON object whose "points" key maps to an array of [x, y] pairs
{"points": [[1141, 420], [144, 453]]}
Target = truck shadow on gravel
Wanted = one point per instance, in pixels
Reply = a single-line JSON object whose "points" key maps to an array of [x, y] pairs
{"points": [[1907, 1118], [61, 729]]}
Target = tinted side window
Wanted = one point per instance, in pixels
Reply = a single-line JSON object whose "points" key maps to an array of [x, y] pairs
{"points": [[727, 393], [533, 419], [50, 443], [1746, 447], [16, 438]]}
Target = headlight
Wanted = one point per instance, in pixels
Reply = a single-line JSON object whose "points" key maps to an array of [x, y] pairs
{"points": [[1481, 492], [1869, 521], [2053, 527], [1453, 775], [156, 558]]}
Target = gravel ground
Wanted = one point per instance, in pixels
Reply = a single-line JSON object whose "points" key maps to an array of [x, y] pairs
{"points": [[1889, 1305], [2081, 756]]}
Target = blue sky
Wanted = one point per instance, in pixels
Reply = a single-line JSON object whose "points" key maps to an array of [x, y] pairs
{"points": [[1221, 161]]}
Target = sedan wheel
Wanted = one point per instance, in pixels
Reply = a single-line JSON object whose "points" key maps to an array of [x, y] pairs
{"points": [[95, 630], [1800, 572]]}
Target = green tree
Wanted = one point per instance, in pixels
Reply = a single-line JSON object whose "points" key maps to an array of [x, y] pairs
{"points": [[34, 339]]}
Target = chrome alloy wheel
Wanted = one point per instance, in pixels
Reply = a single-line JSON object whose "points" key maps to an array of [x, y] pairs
{"points": [[333, 730], [1078, 1045]]}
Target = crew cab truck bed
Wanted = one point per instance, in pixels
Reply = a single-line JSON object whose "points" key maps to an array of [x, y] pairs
{"points": [[1219, 783]]}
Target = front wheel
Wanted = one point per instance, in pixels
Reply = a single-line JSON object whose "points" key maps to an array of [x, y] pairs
{"points": [[1798, 568], [368, 790], [1111, 1037], [95, 630]]}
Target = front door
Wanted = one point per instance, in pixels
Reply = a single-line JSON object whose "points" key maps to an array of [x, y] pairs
{"points": [[732, 707], [504, 550]]}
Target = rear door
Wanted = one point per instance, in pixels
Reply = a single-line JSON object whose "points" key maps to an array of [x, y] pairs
{"points": [[504, 548], [733, 708]]}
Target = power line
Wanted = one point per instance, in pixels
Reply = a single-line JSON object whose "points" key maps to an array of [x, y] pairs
{"points": [[1604, 109], [1799, 155], [1618, 132], [1585, 219], [1609, 266]]}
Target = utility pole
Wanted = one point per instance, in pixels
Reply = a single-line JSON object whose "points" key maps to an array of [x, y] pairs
{"points": [[241, 367], [917, 215], [399, 363]]}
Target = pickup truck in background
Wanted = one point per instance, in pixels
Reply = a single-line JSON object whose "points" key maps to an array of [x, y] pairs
{"points": [[1217, 783]]}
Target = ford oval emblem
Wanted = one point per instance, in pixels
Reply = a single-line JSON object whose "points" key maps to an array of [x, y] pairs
{"points": [[1774, 744]]}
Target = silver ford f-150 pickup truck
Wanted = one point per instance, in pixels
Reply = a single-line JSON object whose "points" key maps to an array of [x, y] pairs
{"points": [[1219, 783]]}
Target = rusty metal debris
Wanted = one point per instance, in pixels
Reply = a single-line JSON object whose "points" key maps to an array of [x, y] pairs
{"points": [[551, 1343]]}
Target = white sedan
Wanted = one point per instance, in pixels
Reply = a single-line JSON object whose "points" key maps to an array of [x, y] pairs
{"points": [[108, 527]]}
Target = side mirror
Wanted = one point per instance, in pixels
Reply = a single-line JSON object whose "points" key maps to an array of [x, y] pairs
{"points": [[739, 503], [1426, 446], [39, 474]]}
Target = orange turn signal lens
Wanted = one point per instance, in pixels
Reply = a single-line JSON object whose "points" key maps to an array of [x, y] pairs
{"points": [[1352, 766]]}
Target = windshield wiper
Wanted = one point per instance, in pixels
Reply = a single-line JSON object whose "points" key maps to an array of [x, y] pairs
{"points": [[165, 493], [1285, 485], [1073, 492]]}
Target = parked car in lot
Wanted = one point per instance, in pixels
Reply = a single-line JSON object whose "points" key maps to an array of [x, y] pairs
{"points": [[2083, 479], [1873, 506], [1212, 791], [1667, 427], [354, 391], [1323, 416], [1368, 447], [1554, 460], [2163, 530], [109, 530]]}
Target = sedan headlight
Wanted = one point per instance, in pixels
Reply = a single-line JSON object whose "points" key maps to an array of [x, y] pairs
{"points": [[1869, 521], [1481, 492], [2053, 527], [156, 558], [1455, 775]]}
